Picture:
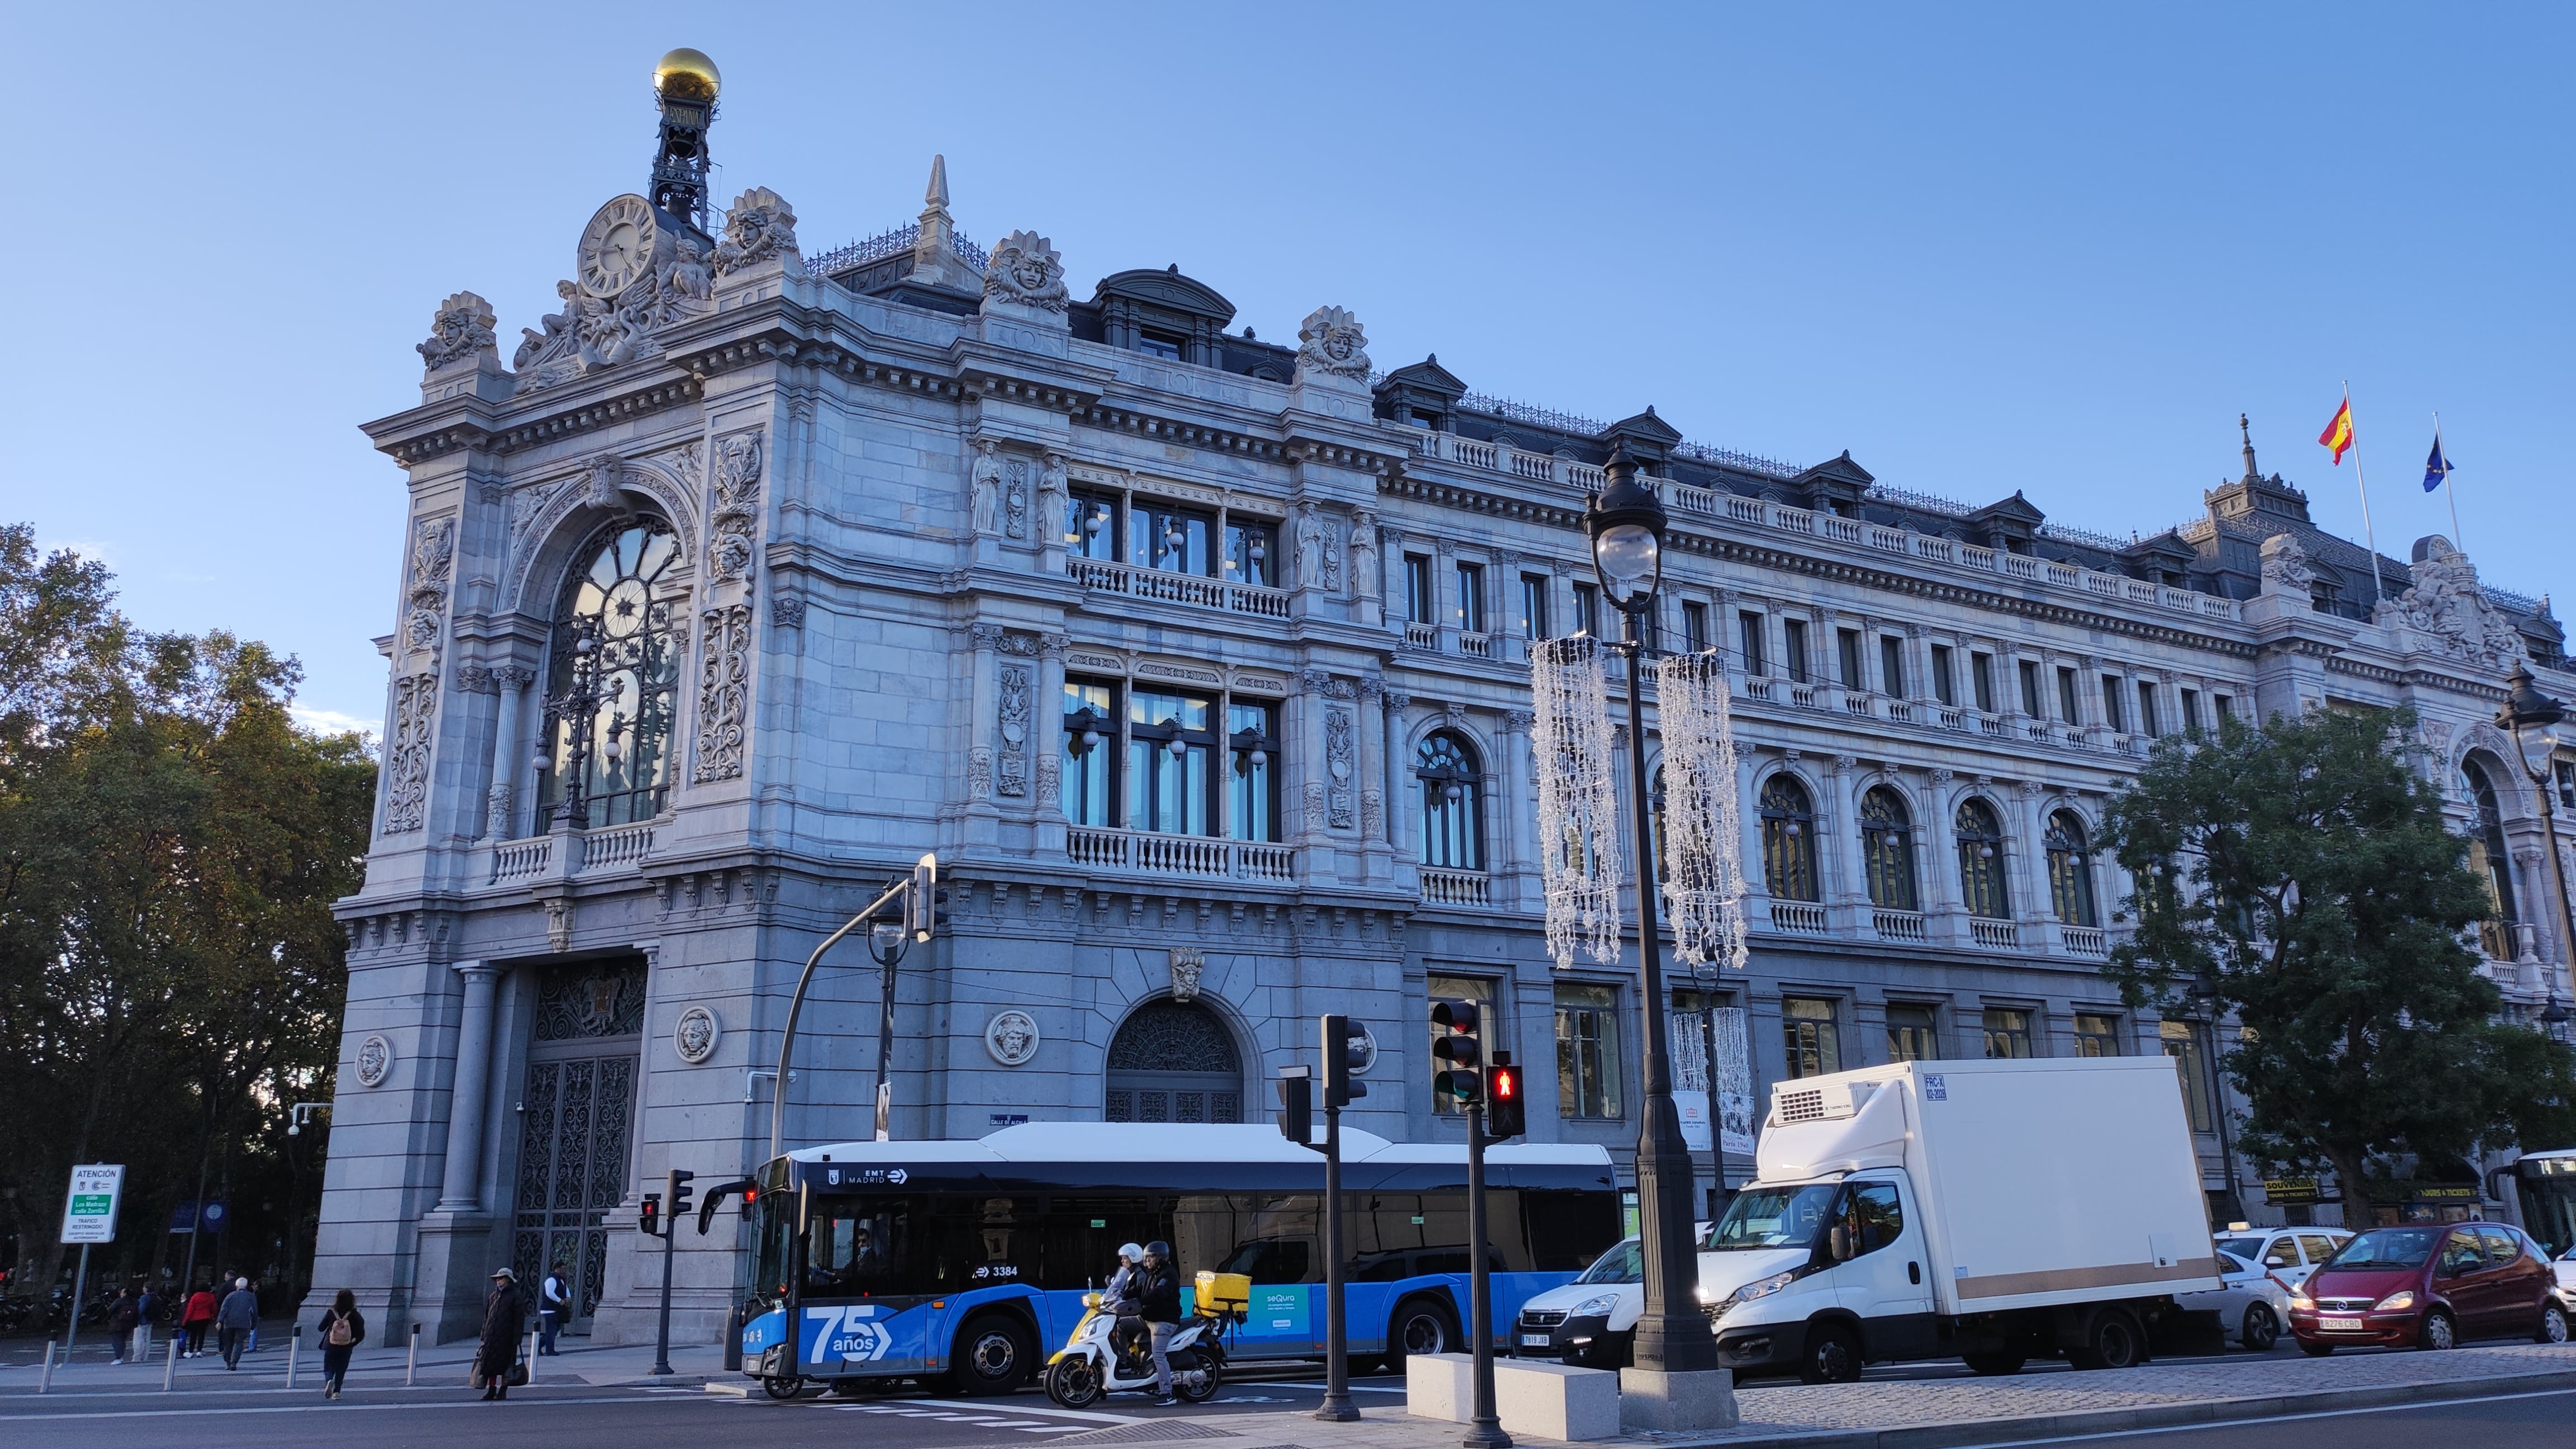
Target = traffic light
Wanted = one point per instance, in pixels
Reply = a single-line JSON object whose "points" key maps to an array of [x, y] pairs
{"points": [[648, 1222], [1344, 1049], [1503, 1114], [1297, 1105], [749, 1188], [1457, 1056], [676, 1193], [921, 903]]}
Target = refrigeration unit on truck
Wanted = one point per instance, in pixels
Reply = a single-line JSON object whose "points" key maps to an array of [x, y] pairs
{"points": [[1991, 1211]]}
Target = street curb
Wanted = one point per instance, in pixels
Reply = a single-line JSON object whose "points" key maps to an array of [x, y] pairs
{"points": [[2149, 1416]]}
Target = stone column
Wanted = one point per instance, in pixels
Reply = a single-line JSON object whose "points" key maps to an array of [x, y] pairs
{"points": [[1046, 737], [1849, 893], [1748, 814], [1942, 899], [1520, 798], [2026, 847], [509, 759], [2535, 942], [461, 1190]]}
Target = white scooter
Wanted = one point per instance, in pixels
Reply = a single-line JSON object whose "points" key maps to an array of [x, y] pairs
{"points": [[1088, 1366]]}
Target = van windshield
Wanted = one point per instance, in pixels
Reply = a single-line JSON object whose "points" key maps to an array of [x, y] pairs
{"points": [[1625, 1263], [2389, 1248], [1773, 1217]]}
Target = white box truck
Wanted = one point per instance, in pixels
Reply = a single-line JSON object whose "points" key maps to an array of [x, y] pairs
{"points": [[1992, 1211]]}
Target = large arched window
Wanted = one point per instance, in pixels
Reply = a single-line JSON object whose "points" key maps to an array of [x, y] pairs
{"points": [[1887, 850], [1789, 840], [2070, 870], [612, 602], [1981, 861], [1173, 1061], [1449, 775], [2489, 858]]}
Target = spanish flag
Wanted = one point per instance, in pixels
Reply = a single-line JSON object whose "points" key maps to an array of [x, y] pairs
{"points": [[2338, 434]]}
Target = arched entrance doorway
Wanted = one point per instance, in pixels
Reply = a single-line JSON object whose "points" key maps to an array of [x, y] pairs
{"points": [[1174, 1061]]}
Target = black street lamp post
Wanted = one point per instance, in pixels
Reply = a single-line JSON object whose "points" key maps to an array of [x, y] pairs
{"points": [[1626, 522], [578, 708], [2527, 708]]}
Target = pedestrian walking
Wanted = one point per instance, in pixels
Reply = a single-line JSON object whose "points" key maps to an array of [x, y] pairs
{"points": [[122, 1315], [341, 1330], [234, 1321], [554, 1305], [193, 1320], [1158, 1302], [505, 1320]]}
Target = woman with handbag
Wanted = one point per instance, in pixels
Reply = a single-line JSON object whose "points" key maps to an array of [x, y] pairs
{"points": [[341, 1330], [505, 1321]]}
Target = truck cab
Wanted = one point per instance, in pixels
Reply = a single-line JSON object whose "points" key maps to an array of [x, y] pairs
{"points": [[1816, 1277]]}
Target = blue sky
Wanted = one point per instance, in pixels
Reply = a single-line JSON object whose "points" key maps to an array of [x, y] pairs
{"points": [[2052, 248]]}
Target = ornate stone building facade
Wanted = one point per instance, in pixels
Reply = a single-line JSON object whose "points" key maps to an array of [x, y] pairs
{"points": [[1201, 662]]}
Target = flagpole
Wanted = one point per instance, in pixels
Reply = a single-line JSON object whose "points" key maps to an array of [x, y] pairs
{"points": [[2379, 586], [2450, 490]]}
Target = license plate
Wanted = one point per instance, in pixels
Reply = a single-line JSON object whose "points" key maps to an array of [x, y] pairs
{"points": [[2330, 1323], [1534, 1340]]}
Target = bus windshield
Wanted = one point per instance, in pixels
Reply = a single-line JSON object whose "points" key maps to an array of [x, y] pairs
{"points": [[1773, 1217]]}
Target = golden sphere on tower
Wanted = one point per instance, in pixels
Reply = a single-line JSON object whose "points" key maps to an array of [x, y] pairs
{"points": [[686, 75]]}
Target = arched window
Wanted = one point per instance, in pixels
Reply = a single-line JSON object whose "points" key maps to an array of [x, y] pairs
{"points": [[1447, 768], [1981, 861], [1173, 1061], [2489, 858], [2070, 870], [630, 672], [1789, 840], [1887, 850]]}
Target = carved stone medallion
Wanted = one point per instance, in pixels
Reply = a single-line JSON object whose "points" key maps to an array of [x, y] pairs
{"points": [[694, 1036], [1011, 1037], [375, 1061]]}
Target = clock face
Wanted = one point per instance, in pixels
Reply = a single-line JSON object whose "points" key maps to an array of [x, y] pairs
{"points": [[617, 246]]}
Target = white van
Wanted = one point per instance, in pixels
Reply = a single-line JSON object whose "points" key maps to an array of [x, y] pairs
{"points": [[1592, 1321]]}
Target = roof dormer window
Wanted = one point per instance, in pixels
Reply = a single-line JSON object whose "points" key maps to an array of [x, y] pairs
{"points": [[1160, 344]]}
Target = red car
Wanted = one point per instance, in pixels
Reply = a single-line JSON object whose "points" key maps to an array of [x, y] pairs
{"points": [[2428, 1286]]}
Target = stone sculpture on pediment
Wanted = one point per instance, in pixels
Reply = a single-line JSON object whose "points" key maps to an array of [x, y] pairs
{"points": [[459, 331], [2285, 566], [1330, 343], [2446, 605], [760, 228], [635, 278], [1024, 271]]}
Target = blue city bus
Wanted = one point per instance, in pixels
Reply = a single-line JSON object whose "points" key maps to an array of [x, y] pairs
{"points": [[963, 1264]]}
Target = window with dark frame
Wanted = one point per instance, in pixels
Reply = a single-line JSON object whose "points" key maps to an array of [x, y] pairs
{"points": [[1587, 609], [2029, 672], [2069, 708], [1944, 688], [2007, 1033], [1789, 840], [1249, 548], [1981, 861], [1166, 345], [1170, 754], [1913, 1033], [1891, 666], [1090, 752], [2070, 870], [1809, 1041], [2183, 1041], [1252, 771], [1887, 850], [1981, 679], [2191, 711], [1471, 597], [1448, 773], [1855, 672], [2111, 705], [1421, 598], [2148, 724], [1793, 649], [1587, 1051], [1748, 628], [1534, 606], [1091, 526], [2225, 705], [1169, 539], [2097, 1034], [1695, 626]]}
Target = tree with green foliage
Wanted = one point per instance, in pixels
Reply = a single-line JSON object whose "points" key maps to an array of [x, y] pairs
{"points": [[2299, 875]]}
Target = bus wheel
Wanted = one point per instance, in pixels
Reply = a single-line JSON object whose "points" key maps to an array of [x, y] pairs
{"points": [[993, 1354], [1420, 1325], [782, 1388]]}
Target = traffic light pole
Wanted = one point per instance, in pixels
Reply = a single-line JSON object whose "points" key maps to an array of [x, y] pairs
{"points": [[662, 1338], [1337, 1407], [1485, 1429]]}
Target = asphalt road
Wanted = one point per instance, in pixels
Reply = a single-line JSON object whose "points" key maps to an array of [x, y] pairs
{"points": [[2514, 1421]]}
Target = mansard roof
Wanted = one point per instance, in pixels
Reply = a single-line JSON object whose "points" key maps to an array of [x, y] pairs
{"points": [[1167, 289], [1426, 376], [2015, 509]]}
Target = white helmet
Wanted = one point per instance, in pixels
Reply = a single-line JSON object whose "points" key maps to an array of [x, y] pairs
{"points": [[1129, 1252]]}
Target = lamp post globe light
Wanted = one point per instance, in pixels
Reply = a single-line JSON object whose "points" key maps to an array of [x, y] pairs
{"points": [[2525, 707], [1626, 521]]}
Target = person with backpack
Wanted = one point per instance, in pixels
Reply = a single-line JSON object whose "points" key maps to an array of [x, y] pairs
{"points": [[341, 1330], [193, 1320], [235, 1320]]}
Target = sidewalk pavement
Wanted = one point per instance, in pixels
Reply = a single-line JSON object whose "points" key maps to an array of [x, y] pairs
{"points": [[374, 1365], [1923, 1414]]}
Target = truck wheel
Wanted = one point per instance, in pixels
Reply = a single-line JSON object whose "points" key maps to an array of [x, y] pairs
{"points": [[2111, 1341], [993, 1354], [1832, 1356], [1994, 1365], [2261, 1330], [1419, 1325]]}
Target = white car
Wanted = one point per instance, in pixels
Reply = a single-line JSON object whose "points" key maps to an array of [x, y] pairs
{"points": [[2254, 1307], [1592, 1321], [2565, 1269], [2288, 1254]]}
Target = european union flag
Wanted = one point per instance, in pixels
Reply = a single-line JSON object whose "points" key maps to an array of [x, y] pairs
{"points": [[2436, 467]]}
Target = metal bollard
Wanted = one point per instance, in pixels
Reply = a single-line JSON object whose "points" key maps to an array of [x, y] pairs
{"points": [[45, 1383], [294, 1341], [171, 1366], [532, 1357], [411, 1365]]}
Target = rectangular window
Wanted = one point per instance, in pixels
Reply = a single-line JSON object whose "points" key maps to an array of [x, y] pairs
{"points": [[2029, 672], [1252, 772], [2566, 785], [1891, 666], [2007, 1033], [2096, 1035], [1793, 649], [2225, 705], [1471, 598], [1855, 673], [2182, 1042], [1421, 601], [2068, 709], [1807, 1037], [1695, 626], [2111, 704], [2148, 724], [1981, 677], [1091, 526], [1587, 609], [1587, 1051], [1170, 750], [1913, 1034], [1160, 344], [1748, 629], [1166, 538], [1248, 551], [1479, 990], [1944, 688], [1090, 751], [2190, 710], [1534, 606]]}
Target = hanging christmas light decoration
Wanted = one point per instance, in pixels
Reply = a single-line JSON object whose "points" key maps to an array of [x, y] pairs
{"points": [[1578, 810], [1703, 839]]}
